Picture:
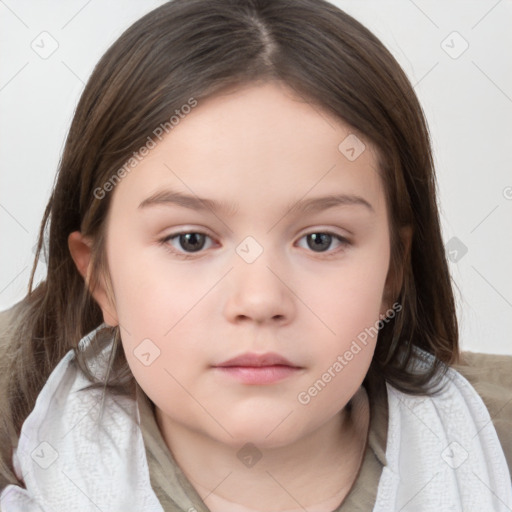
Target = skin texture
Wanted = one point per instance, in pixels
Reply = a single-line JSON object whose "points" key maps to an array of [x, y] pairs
{"points": [[261, 148]]}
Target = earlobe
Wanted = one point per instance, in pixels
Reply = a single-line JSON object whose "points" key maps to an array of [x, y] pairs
{"points": [[80, 250]]}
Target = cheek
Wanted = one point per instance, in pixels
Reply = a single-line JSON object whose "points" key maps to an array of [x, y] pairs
{"points": [[345, 349], [157, 315], [350, 308], [335, 383], [152, 293], [350, 298], [165, 347]]}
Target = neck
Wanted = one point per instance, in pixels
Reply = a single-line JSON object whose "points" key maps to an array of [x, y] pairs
{"points": [[315, 472]]}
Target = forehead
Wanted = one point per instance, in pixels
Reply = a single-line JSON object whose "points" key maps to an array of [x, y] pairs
{"points": [[256, 143]]}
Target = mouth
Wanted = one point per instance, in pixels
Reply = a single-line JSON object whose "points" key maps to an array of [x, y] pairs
{"points": [[257, 369]]}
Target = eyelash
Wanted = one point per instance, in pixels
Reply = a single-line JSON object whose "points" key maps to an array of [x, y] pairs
{"points": [[184, 255]]}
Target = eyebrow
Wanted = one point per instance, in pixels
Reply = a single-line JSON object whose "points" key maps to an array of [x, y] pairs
{"points": [[172, 197]]}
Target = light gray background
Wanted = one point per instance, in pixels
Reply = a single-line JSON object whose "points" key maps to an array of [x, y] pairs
{"points": [[466, 96]]}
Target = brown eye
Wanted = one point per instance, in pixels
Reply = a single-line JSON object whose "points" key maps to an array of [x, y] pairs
{"points": [[192, 241], [325, 242], [186, 242], [319, 242]]}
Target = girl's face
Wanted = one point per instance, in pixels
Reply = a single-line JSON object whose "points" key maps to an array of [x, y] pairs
{"points": [[287, 256]]}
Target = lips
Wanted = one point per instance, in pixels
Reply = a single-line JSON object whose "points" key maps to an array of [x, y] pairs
{"points": [[258, 369], [257, 361]]}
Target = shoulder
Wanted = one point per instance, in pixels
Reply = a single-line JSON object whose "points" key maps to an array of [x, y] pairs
{"points": [[491, 377], [7, 315], [6, 326]]}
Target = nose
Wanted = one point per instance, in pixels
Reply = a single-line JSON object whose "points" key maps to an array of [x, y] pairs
{"points": [[260, 292]]}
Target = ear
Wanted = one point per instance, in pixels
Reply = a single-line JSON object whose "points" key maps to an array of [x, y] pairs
{"points": [[80, 249], [395, 276]]}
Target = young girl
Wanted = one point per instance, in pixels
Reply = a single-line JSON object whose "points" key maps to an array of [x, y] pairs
{"points": [[248, 305]]}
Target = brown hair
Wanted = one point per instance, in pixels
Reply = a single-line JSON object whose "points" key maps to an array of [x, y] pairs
{"points": [[195, 48]]}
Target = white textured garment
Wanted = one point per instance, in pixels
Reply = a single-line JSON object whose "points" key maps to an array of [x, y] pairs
{"points": [[67, 461], [443, 452]]}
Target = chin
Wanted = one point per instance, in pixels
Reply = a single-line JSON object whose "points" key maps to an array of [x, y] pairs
{"points": [[265, 433]]}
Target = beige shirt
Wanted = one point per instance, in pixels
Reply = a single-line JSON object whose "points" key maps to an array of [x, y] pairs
{"points": [[490, 375]]}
